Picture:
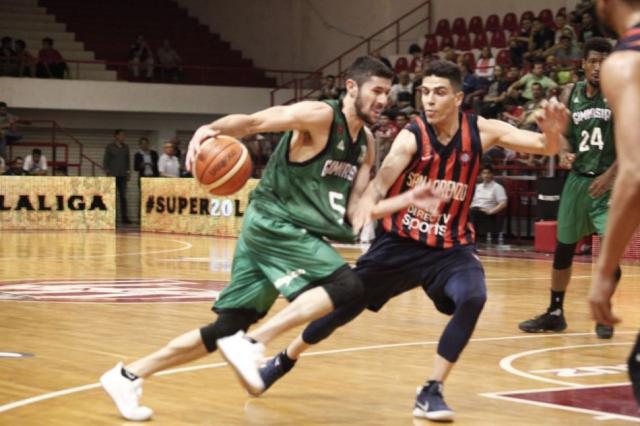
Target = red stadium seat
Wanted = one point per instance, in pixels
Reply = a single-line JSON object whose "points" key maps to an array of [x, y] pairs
{"points": [[527, 15], [498, 40], [475, 25], [463, 43], [480, 41], [459, 26], [510, 22], [546, 17], [503, 58], [493, 23], [443, 28], [430, 44], [446, 41], [401, 65], [471, 60]]}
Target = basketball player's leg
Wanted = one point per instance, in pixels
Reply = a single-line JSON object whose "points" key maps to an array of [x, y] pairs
{"points": [[573, 224], [465, 290]]}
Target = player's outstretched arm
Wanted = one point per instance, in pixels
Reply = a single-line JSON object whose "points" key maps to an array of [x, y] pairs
{"points": [[621, 86], [303, 116], [552, 120]]}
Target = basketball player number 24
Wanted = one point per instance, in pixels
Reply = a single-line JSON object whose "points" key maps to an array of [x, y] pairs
{"points": [[594, 139], [334, 199]]}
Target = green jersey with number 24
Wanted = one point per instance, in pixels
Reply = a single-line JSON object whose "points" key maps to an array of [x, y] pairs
{"points": [[590, 132], [314, 194]]}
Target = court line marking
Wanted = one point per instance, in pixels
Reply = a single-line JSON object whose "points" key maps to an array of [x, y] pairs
{"points": [[598, 415], [506, 362], [63, 392], [186, 246]]}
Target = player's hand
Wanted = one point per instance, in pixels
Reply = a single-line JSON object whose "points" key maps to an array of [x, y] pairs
{"points": [[600, 185], [553, 120], [202, 134], [425, 198], [602, 287], [567, 159]]}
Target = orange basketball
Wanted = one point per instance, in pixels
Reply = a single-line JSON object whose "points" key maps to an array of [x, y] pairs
{"points": [[223, 165]]}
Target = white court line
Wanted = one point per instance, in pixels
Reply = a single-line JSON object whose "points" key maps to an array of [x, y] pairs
{"points": [[185, 246], [506, 362], [599, 415], [63, 392]]}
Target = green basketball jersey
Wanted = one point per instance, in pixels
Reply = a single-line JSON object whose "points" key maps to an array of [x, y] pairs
{"points": [[590, 132], [314, 194]]}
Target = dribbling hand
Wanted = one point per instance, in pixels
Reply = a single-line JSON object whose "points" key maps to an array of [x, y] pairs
{"points": [[202, 134]]}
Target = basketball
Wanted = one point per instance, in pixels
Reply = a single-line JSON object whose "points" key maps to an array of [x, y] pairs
{"points": [[223, 165]]}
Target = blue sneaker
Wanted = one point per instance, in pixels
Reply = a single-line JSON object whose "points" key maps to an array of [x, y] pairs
{"points": [[274, 369], [430, 403]]}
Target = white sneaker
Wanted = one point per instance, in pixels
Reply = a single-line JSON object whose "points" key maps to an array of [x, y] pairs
{"points": [[125, 393], [244, 357]]}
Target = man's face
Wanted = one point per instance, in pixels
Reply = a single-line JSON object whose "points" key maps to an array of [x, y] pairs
{"points": [[486, 175], [168, 149], [592, 65], [538, 70], [119, 137], [144, 144], [526, 24], [3, 111], [439, 99], [566, 43], [401, 121], [514, 73], [560, 21], [329, 81], [36, 157], [384, 120], [404, 77], [587, 20], [371, 98], [537, 92], [18, 164]]}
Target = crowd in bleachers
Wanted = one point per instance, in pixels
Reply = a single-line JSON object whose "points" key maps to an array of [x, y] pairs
{"points": [[17, 61]]}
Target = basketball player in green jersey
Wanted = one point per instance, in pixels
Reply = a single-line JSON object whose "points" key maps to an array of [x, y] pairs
{"points": [[309, 193], [621, 85], [584, 202]]}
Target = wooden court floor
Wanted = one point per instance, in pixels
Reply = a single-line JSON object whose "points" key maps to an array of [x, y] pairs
{"points": [[75, 303]]}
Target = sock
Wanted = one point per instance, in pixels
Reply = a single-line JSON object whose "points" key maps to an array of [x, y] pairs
{"points": [[128, 374], [286, 362], [557, 301]]}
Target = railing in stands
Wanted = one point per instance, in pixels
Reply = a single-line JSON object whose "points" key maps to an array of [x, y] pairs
{"points": [[365, 46], [193, 74], [56, 131]]}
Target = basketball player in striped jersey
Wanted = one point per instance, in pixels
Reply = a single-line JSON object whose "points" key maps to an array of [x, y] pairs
{"points": [[621, 86], [421, 248]]}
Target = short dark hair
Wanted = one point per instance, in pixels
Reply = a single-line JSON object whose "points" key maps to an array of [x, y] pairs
{"points": [[538, 60], [3, 104], [414, 48], [6, 39], [48, 40], [486, 166], [142, 139], [445, 69], [20, 43], [596, 44], [365, 67], [117, 131], [37, 151]]}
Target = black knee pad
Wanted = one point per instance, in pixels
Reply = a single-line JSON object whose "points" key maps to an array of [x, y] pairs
{"points": [[343, 286], [228, 323], [563, 257]]}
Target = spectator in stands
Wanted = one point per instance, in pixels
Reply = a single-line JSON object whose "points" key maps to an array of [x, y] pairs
{"points": [[519, 43], [528, 119], [16, 168], [413, 116], [35, 164], [512, 112], [60, 171], [489, 199], [588, 28], [540, 39], [535, 76], [8, 63], [140, 55], [145, 161], [25, 60], [8, 129], [170, 62], [402, 119], [448, 54], [329, 89], [180, 155], [384, 133], [565, 52], [416, 59], [472, 87], [485, 64], [169, 165], [116, 163], [378, 55], [562, 27], [404, 85], [51, 64], [491, 104]]}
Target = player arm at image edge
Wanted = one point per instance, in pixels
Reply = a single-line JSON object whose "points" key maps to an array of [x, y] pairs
{"points": [[622, 89]]}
